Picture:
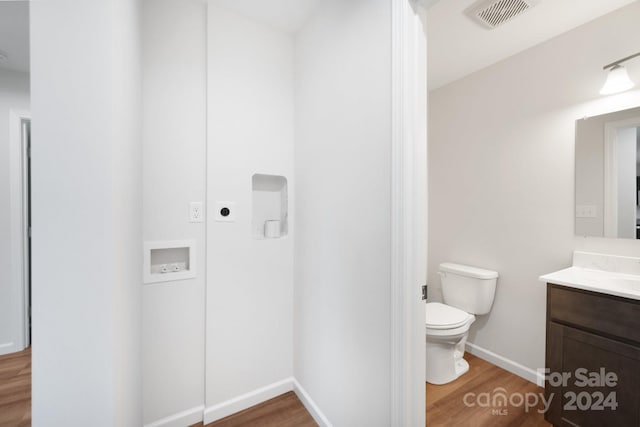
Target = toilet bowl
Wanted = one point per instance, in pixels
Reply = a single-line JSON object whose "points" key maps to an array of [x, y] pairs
{"points": [[446, 331], [467, 291]]}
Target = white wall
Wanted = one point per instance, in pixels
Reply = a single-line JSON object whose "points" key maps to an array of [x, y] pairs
{"points": [[14, 95], [501, 173], [174, 166], [86, 161], [342, 254], [589, 167], [249, 329]]}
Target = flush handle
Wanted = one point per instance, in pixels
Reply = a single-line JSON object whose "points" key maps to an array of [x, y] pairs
{"points": [[424, 292]]}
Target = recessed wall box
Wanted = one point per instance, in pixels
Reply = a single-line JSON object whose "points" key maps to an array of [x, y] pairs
{"points": [[270, 207], [169, 260]]}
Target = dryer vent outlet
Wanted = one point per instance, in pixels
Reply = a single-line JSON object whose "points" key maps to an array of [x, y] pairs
{"points": [[493, 13]]}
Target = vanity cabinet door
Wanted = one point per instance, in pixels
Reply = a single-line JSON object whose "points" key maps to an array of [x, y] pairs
{"points": [[588, 396]]}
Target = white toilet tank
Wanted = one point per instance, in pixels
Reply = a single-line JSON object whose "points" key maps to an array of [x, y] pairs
{"points": [[468, 288]]}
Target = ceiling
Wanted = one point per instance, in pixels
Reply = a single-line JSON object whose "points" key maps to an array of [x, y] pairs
{"points": [[459, 47], [14, 35], [286, 15]]}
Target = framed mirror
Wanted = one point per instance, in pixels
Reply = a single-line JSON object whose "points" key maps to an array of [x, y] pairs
{"points": [[607, 189]]}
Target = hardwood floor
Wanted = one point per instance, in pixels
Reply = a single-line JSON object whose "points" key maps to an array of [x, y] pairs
{"points": [[15, 389], [283, 411], [446, 403]]}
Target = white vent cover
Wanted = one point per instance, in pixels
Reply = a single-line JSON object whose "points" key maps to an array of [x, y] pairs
{"points": [[493, 13]]}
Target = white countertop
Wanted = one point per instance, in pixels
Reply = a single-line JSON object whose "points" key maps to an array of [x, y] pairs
{"points": [[606, 282]]}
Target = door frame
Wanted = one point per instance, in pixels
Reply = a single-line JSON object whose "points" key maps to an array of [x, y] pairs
{"points": [[409, 211], [19, 202], [610, 208]]}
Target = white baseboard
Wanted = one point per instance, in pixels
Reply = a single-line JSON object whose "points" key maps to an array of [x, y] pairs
{"points": [[181, 419], [7, 348], [247, 400], [507, 364], [237, 404], [310, 405]]}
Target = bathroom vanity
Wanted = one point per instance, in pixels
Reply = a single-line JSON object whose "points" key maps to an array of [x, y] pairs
{"points": [[593, 342]]}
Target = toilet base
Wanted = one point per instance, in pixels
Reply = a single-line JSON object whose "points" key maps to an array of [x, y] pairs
{"points": [[445, 362], [462, 367]]}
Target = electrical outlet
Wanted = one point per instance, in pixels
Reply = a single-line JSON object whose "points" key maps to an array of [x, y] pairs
{"points": [[196, 212]]}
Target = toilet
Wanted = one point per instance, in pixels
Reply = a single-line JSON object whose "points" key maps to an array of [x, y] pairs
{"points": [[467, 291]]}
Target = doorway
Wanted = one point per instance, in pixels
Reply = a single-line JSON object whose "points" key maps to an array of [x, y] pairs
{"points": [[14, 189], [20, 222], [25, 228], [622, 179]]}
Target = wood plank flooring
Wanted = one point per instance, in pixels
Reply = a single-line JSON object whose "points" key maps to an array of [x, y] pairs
{"points": [[15, 389], [283, 411], [446, 405]]}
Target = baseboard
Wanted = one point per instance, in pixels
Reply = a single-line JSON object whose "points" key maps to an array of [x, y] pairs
{"points": [[247, 400], [310, 405], [507, 364], [181, 419], [7, 348]]}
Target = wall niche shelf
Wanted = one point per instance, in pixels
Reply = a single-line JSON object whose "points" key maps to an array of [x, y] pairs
{"points": [[270, 206]]}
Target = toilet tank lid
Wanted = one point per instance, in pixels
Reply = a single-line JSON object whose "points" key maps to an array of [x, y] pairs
{"points": [[465, 270]]}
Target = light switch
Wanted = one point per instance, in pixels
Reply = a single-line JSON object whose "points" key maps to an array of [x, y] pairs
{"points": [[586, 211], [196, 212]]}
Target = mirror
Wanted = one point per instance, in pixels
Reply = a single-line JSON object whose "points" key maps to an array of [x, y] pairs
{"points": [[607, 175]]}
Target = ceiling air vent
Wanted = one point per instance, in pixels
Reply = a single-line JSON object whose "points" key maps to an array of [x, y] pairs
{"points": [[493, 13]]}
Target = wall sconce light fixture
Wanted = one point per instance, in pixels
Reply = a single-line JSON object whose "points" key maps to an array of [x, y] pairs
{"points": [[617, 79]]}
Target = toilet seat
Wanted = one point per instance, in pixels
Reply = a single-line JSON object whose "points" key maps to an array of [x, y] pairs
{"points": [[444, 317]]}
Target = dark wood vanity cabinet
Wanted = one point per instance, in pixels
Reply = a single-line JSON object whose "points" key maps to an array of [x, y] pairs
{"points": [[593, 358]]}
